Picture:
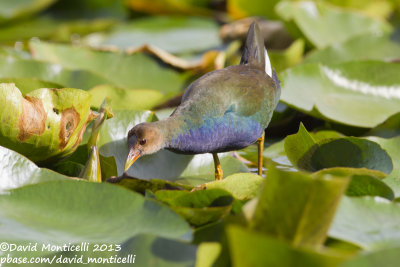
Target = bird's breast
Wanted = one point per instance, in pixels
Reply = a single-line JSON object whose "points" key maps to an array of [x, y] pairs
{"points": [[217, 135]]}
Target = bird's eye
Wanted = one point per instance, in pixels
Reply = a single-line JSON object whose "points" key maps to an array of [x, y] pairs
{"points": [[142, 142]]}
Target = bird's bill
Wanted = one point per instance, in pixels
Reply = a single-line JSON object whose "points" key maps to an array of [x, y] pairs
{"points": [[133, 155]]}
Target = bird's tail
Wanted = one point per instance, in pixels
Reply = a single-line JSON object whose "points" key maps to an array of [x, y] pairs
{"points": [[255, 54], [254, 50]]}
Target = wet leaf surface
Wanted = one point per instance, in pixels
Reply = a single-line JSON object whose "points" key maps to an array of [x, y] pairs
{"points": [[44, 207], [344, 92], [198, 207], [323, 24], [354, 224], [134, 71]]}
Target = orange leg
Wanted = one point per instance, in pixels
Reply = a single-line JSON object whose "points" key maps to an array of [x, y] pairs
{"points": [[260, 144], [218, 169]]}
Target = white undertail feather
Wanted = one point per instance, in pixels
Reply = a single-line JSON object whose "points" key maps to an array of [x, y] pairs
{"points": [[268, 67]]}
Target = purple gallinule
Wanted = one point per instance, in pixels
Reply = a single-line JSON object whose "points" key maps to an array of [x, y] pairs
{"points": [[224, 110]]}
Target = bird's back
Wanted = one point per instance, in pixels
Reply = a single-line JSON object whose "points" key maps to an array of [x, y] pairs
{"points": [[226, 109]]}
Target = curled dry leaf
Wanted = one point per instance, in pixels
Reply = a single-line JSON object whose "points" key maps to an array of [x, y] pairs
{"points": [[44, 125]]}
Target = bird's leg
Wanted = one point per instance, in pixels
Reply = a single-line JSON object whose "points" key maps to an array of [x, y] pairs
{"points": [[260, 144], [218, 169]]}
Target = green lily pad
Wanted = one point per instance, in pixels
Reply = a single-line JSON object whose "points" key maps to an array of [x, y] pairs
{"points": [[45, 27], [193, 7], [298, 207], [363, 182], [198, 207], [141, 250], [26, 85], [69, 168], [140, 186], [14, 9], [249, 248], [365, 47], [201, 168], [130, 71], [242, 186], [46, 123], [391, 145], [43, 212], [54, 73], [241, 8], [323, 24], [14, 52], [119, 98], [307, 154], [373, 8], [388, 128], [17, 171], [173, 34], [386, 257], [289, 57], [344, 92], [273, 155], [77, 9], [369, 222]]}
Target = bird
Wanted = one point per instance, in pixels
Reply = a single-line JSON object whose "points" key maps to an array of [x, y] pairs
{"points": [[224, 110]]}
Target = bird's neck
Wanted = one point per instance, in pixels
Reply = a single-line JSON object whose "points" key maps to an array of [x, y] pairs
{"points": [[170, 128]]}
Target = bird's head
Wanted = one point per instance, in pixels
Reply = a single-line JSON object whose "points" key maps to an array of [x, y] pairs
{"points": [[143, 139]]}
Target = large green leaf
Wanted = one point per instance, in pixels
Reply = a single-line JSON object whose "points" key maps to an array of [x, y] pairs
{"points": [[249, 248], [141, 186], [78, 9], [365, 47], [242, 186], [46, 27], [130, 71], [289, 57], [375, 8], [14, 9], [273, 155], [386, 257], [106, 213], [323, 24], [241, 8], [198, 207], [46, 123], [344, 92], [391, 147], [173, 34], [174, 7], [388, 128], [201, 168], [298, 207], [309, 154], [143, 249], [16, 171], [16, 68], [120, 98], [26, 85], [369, 222], [363, 182], [298, 148]]}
